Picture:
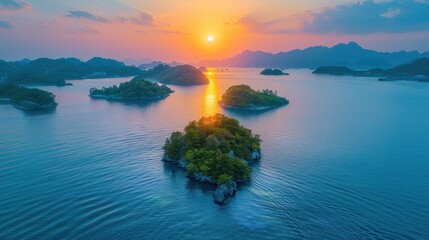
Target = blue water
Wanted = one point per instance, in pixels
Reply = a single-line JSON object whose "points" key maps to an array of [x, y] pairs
{"points": [[347, 159]]}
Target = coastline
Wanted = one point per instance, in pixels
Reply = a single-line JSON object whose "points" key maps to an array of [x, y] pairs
{"points": [[121, 99], [223, 192], [28, 105], [254, 108]]}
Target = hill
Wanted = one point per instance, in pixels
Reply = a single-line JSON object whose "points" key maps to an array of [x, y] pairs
{"points": [[136, 89], [244, 97], [417, 70], [349, 55], [179, 75], [47, 71]]}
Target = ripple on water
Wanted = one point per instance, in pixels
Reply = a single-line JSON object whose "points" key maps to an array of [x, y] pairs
{"points": [[331, 169]]}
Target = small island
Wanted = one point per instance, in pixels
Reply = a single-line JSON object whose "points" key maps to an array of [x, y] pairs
{"points": [[244, 97], [180, 75], [417, 70], [216, 150], [273, 72], [27, 98], [136, 89]]}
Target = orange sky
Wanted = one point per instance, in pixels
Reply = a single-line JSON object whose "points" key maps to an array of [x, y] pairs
{"points": [[177, 30]]}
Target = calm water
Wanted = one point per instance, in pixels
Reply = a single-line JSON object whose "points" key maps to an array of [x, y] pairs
{"points": [[347, 159]]}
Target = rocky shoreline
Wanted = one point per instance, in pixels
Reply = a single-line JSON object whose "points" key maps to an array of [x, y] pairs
{"points": [[119, 98], [223, 191], [273, 72], [32, 106], [28, 105]]}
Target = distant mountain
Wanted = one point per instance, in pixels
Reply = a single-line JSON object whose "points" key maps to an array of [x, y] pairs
{"points": [[104, 62], [55, 71], [350, 55], [136, 62], [153, 64], [23, 61], [417, 70], [75, 61], [418, 67]]}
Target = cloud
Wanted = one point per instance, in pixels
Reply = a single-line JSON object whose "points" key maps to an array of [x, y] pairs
{"points": [[87, 15], [164, 31], [6, 25], [13, 5], [88, 30], [143, 19], [371, 17], [391, 13], [364, 17], [268, 27]]}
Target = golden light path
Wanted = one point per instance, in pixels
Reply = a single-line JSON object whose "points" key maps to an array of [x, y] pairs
{"points": [[211, 98]]}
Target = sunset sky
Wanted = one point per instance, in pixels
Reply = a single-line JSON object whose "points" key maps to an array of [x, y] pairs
{"points": [[178, 29]]}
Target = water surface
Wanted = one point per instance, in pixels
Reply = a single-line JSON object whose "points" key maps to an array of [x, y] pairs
{"points": [[347, 159]]}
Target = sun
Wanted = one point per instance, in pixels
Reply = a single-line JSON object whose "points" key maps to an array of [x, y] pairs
{"points": [[210, 38]]}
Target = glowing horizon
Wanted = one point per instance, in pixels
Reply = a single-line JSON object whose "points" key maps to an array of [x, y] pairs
{"points": [[180, 30]]}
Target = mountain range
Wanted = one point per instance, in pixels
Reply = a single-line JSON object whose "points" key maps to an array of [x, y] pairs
{"points": [[350, 55], [417, 70], [56, 71]]}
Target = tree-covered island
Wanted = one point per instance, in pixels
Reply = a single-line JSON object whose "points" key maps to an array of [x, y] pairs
{"points": [[185, 75], [217, 150], [136, 89], [27, 98], [244, 97], [273, 72]]}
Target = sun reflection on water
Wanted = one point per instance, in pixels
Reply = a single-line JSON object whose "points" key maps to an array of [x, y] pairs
{"points": [[210, 106]]}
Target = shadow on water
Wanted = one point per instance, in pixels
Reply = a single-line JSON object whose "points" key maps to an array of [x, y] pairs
{"points": [[134, 103], [206, 188], [173, 170], [249, 113], [39, 112]]}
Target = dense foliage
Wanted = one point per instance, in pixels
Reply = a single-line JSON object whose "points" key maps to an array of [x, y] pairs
{"points": [[217, 147], [18, 94], [242, 96], [274, 72], [179, 75], [134, 89]]}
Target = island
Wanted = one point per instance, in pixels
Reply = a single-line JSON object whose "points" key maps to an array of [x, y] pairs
{"points": [[244, 97], [180, 75], [136, 89], [217, 150], [203, 69], [273, 72], [45, 71], [417, 70], [27, 98]]}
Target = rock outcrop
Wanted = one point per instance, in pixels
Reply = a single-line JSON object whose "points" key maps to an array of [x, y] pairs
{"points": [[223, 192]]}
